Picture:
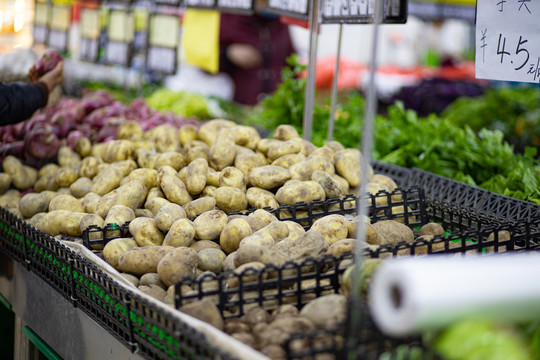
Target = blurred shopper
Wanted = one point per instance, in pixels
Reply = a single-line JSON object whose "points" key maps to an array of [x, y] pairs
{"points": [[18, 101], [253, 50]]}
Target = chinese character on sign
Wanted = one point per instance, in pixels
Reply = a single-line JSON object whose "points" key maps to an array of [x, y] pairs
{"points": [[524, 3]]}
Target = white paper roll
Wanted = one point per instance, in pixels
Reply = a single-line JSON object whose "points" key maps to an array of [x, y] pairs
{"points": [[410, 295]]}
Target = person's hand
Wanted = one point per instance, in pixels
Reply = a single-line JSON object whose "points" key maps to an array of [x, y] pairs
{"points": [[54, 77], [244, 56]]}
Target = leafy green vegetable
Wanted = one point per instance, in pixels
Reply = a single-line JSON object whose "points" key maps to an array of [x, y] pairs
{"points": [[480, 340], [181, 103]]}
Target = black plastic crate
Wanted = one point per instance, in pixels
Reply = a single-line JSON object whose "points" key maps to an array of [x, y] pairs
{"points": [[510, 208], [12, 241], [399, 174]]}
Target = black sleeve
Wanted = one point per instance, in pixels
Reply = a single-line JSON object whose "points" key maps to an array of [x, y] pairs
{"points": [[18, 101]]}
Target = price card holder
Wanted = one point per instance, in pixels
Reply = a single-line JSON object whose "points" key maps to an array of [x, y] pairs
{"points": [[244, 7], [41, 23], [443, 9], [362, 11], [198, 4], [170, 3], [508, 41], [90, 32], [163, 43], [293, 8], [59, 24], [120, 34]]}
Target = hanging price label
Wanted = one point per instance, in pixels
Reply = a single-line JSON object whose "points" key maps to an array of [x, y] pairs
{"points": [[235, 6], [293, 8], [121, 26], [89, 49], [41, 14], [204, 4], [58, 39], [362, 11], [162, 60], [90, 23], [118, 53], [171, 3], [60, 17], [164, 31], [40, 33], [508, 40]]}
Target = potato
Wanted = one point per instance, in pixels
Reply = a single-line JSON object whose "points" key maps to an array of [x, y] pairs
{"points": [[332, 227], [151, 279], [142, 260], [145, 158], [286, 161], [265, 144], [109, 178], [306, 147], [165, 138], [246, 136], [178, 263], [267, 236], [155, 204], [119, 214], [260, 198], [33, 203], [89, 202], [130, 130], [199, 206], [295, 229], [247, 273], [197, 172], [208, 225], [143, 213], [212, 178], [335, 146], [154, 291], [233, 233], [89, 166], [167, 215], [187, 133], [385, 180], [118, 150], [231, 176], [208, 190], [341, 247], [80, 187], [268, 176], [114, 249], [65, 202], [181, 233], [10, 198], [252, 253], [209, 130], [394, 232], [431, 228], [204, 244], [306, 191], [246, 161], [222, 152], [52, 222], [175, 160], [283, 148], [230, 199], [211, 260], [309, 244], [196, 150], [36, 219], [71, 224], [175, 190], [204, 310], [285, 132], [5, 182], [155, 192], [304, 169], [22, 176], [48, 169], [134, 280], [263, 216], [162, 171], [182, 174], [146, 176], [326, 153], [146, 232], [68, 157], [131, 195], [331, 186], [348, 165], [327, 312], [254, 223]]}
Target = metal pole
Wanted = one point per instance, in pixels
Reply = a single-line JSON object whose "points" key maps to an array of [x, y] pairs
{"points": [[334, 87], [312, 63], [367, 145]]}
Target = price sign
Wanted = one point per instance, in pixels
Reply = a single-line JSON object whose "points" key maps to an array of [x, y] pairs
{"points": [[293, 8], [362, 11], [508, 40], [235, 6], [163, 43], [202, 4], [90, 31], [439, 9], [59, 24], [171, 3], [162, 60], [41, 23], [120, 35]]}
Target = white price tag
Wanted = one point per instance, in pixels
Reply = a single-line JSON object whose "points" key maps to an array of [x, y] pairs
{"points": [[164, 31], [58, 39], [40, 34], [117, 53], [235, 4], [162, 60], [293, 6], [200, 3], [41, 15], [348, 8], [60, 18], [508, 40], [121, 26], [89, 49], [90, 23]]}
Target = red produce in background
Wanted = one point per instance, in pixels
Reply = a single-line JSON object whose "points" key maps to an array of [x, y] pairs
{"points": [[46, 63]]}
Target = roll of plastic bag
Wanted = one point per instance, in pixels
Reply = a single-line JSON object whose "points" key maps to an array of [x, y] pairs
{"points": [[411, 295]]}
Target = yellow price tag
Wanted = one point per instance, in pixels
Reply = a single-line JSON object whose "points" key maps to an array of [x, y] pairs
{"points": [[121, 26], [61, 17], [201, 39], [41, 14], [90, 23], [164, 31]]}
